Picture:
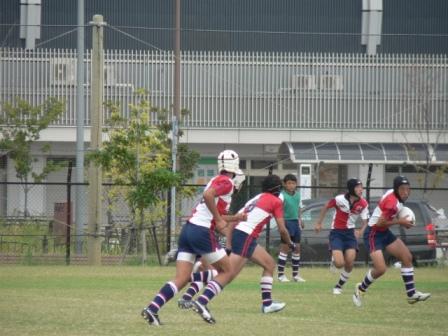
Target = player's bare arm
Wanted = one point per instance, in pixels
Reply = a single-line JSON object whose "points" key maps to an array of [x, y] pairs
{"points": [[301, 223], [240, 216], [318, 224], [231, 221], [359, 233], [209, 200]]}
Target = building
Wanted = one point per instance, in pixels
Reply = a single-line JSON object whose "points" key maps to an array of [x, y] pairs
{"points": [[326, 26]]}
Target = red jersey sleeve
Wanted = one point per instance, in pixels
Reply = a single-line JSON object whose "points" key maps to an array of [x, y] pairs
{"points": [[331, 203], [222, 185], [277, 210], [389, 209]]}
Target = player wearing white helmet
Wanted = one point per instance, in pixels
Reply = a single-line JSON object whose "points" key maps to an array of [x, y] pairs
{"points": [[378, 237], [198, 238], [259, 211]]}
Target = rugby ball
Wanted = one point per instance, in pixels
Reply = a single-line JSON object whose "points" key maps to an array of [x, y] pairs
{"points": [[405, 212]]}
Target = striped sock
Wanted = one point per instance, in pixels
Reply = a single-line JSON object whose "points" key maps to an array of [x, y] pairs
{"points": [[165, 294], [213, 288], [281, 264], [266, 290], [194, 288], [295, 260], [204, 277], [343, 278], [407, 273], [368, 280]]}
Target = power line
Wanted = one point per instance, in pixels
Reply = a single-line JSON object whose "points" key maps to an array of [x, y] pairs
{"points": [[240, 31], [56, 37], [7, 35], [40, 25], [135, 38]]}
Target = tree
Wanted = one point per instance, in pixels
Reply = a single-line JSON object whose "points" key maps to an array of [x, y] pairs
{"points": [[137, 155], [423, 82], [21, 126]]}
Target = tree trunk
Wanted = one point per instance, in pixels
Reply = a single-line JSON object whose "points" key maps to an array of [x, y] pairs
{"points": [[144, 248], [26, 190], [143, 237]]}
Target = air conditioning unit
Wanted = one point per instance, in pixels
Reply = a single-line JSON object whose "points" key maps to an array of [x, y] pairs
{"points": [[303, 82], [330, 82], [63, 71]]}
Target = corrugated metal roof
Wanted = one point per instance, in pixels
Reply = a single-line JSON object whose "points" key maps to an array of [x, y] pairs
{"points": [[246, 25]]}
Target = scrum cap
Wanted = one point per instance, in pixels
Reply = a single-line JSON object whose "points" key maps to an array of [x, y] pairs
{"points": [[351, 184], [398, 181], [229, 161]]}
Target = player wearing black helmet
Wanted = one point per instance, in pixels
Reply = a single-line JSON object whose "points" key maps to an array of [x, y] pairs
{"points": [[378, 237], [343, 237], [259, 211]]}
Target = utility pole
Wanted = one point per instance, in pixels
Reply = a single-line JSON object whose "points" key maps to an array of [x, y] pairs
{"points": [[80, 129], [175, 120], [96, 108]]}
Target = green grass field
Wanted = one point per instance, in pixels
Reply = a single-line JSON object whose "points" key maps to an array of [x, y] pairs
{"points": [[59, 300]]}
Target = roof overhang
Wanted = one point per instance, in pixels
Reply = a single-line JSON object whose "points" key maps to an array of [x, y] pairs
{"points": [[363, 153]]}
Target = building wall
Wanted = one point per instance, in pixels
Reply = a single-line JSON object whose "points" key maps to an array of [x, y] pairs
{"points": [[15, 194], [249, 25], [249, 91]]}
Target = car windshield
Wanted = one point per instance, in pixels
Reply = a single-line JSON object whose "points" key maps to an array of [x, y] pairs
{"points": [[309, 218], [438, 217], [311, 215], [419, 221]]}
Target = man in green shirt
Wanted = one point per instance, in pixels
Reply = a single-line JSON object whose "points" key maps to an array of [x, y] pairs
{"points": [[291, 207]]}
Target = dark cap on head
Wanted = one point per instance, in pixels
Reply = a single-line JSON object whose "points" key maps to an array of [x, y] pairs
{"points": [[351, 184], [289, 177], [271, 184], [398, 181]]}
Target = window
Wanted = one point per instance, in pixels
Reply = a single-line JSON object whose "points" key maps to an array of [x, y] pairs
{"points": [[290, 166], [391, 169], [264, 164]]}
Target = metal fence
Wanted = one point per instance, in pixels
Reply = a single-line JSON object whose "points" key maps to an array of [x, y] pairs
{"points": [[248, 89], [38, 219], [43, 230]]}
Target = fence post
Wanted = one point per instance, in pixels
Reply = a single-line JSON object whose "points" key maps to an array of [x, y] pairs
{"points": [[95, 176], [369, 179], [69, 213], [45, 245]]}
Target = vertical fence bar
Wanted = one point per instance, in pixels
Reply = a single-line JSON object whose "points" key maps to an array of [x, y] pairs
{"points": [[248, 89], [68, 221]]}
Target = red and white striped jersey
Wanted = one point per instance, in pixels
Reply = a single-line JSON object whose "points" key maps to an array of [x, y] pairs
{"points": [[346, 215], [388, 207], [259, 211], [223, 186]]}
